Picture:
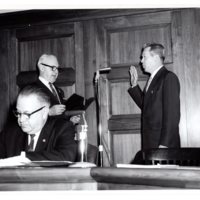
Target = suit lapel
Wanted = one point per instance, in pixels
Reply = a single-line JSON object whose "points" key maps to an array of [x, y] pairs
{"points": [[52, 97], [154, 84], [44, 137]]}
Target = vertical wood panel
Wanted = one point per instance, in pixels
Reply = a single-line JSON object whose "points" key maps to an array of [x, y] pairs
{"points": [[101, 62], [191, 46], [80, 72], [125, 145], [4, 74], [179, 68], [89, 65]]}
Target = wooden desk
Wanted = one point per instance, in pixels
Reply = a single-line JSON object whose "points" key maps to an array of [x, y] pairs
{"points": [[48, 178], [33, 179], [146, 178]]}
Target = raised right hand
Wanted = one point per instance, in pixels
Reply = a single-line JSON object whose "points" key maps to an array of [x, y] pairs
{"points": [[133, 76]]}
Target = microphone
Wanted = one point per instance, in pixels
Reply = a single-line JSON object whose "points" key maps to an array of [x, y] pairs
{"points": [[104, 70]]}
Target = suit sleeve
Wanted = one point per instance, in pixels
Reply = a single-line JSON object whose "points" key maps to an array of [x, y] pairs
{"points": [[171, 111], [61, 147], [137, 95], [2, 145]]}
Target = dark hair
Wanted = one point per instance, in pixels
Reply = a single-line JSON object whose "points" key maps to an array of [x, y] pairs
{"points": [[36, 90], [157, 49]]}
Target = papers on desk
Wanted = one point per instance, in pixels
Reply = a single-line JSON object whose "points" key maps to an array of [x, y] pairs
{"points": [[44, 163], [147, 166], [22, 161], [82, 165], [48, 163]]}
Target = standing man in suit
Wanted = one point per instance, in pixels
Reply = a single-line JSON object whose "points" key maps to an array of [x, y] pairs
{"points": [[48, 73], [39, 136], [159, 102]]}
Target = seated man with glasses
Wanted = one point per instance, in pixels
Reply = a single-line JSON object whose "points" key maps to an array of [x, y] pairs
{"points": [[48, 72], [41, 137]]}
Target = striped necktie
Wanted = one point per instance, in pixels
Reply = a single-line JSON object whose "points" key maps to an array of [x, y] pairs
{"points": [[31, 144], [54, 92]]}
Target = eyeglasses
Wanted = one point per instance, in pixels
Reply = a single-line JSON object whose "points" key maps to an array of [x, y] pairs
{"points": [[53, 68], [26, 115]]}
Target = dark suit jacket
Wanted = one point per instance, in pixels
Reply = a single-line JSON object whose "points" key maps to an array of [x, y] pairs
{"points": [[53, 99], [160, 110], [56, 142]]}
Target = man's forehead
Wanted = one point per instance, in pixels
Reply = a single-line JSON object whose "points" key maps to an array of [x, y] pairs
{"points": [[147, 51], [26, 100], [51, 59]]}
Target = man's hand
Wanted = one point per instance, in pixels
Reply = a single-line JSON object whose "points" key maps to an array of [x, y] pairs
{"points": [[75, 119], [133, 76], [56, 110], [15, 161]]}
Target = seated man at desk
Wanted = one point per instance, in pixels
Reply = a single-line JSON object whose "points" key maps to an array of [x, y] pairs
{"points": [[41, 137]]}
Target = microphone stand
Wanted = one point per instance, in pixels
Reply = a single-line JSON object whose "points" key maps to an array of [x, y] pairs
{"points": [[98, 113]]}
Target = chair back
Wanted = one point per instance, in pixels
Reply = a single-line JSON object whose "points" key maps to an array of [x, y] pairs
{"points": [[175, 156], [92, 154]]}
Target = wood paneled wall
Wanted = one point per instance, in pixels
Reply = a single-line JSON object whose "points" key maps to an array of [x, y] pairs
{"points": [[113, 41], [190, 33]]}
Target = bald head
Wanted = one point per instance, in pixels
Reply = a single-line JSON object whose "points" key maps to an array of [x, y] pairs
{"points": [[33, 108]]}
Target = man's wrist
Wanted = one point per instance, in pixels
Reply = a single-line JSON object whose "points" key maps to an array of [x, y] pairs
{"points": [[133, 85]]}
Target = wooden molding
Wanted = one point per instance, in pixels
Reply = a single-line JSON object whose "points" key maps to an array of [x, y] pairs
{"points": [[66, 77], [124, 122]]}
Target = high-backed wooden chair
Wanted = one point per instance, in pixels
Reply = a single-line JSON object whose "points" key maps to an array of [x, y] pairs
{"points": [[175, 156]]}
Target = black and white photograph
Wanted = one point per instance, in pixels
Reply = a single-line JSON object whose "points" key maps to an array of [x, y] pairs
{"points": [[100, 98]]}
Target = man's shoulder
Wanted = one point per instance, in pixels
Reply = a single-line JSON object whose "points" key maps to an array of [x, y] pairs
{"points": [[168, 74], [58, 122], [171, 75], [39, 83]]}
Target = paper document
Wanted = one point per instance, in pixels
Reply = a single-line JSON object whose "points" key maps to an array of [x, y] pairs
{"points": [[8, 164], [146, 166]]}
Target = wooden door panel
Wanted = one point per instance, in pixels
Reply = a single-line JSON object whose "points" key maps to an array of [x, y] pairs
{"points": [[51, 39], [62, 48], [125, 153], [126, 44], [121, 104], [124, 37]]}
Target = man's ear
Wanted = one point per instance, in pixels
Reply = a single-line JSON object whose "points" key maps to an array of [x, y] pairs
{"points": [[45, 112], [41, 67]]}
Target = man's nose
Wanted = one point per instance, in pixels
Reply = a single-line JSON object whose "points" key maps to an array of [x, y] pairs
{"points": [[22, 118], [56, 72]]}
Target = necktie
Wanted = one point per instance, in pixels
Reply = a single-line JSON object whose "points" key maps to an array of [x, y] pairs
{"points": [[148, 83], [31, 144], [54, 92]]}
